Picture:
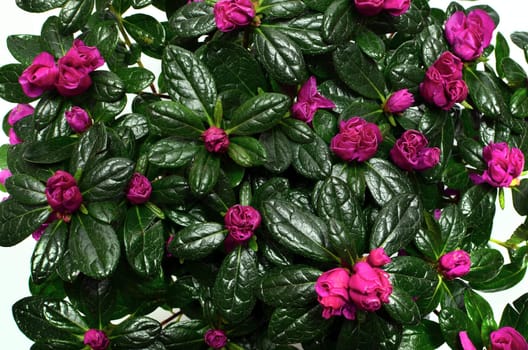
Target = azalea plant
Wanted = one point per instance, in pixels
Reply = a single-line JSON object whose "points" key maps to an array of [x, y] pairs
{"points": [[315, 173]]}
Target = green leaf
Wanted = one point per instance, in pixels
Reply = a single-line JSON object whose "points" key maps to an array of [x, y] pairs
{"points": [[312, 160], [452, 228], [385, 181], [135, 333], [425, 335], [291, 286], [305, 31], [402, 308], [144, 241], [433, 43], [26, 189], [295, 325], [48, 251], [358, 72], [397, 223], [370, 43], [189, 81], [52, 39], [339, 22], [94, 246], [485, 92], [67, 268], [184, 335], [39, 5], [246, 151], [171, 189], [280, 56], [173, 152], [297, 130], [24, 47], [520, 198], [74, 15], [502, 50], [259, 114], [50, 151], [233, 293], [48, 109], [10, 89], [173, 118], [508, 276], [97, 299], [373, 333], [105, 36], [301, 232], [192, 20], [92, 144], [137, 123], [513, 72], [107, 179], [147, 32], [197, 241], [452, 321], [17, 221], [519, 103], [49, 320], [486, 264], [516, 315], [204, 172], [107, 86], [135, 79], [278, 150], [273, 9], [478, 207], [480, 313]]}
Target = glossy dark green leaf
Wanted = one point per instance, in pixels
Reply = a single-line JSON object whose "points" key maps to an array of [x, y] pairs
{"points": [[509, 276], [48, 251], [295, 325], [26, 189], [17, 221], [189, 81], [480, 313], [325, 125], [291, 286], [204, 172], [301, 232], [513, 72], [135, 333], [397, 223], [452, 228], [478, 207], [197, 241], [452, 321], [233, 293], [94, 246], [280, 56], [297, 130], [173, 118], [274, 9], [339, 22], [10, 89], [486, 263], [107, 179], [246, 151], [516, 314], [92, 145], [519, 103], [305, 31], [374, 333], [433, 43], [192, 20], [135, 79], [97, 299], [502, 50], [24, 47], [425, 335], [104, 35], [173, 152], [184, 335], [278, 150], [48, 320], [485, 92], [259, 114], [107, 86], [39, 5], [172, 189], [107, 111], [520, 198], [370, 43], [312, 160], [385, 180], [144, 241], [52, 39], [358, 72], [74, 15], [402, 308], [147, 32]]}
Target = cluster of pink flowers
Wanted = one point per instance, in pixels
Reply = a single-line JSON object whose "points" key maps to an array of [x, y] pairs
{"points": [[469, 35], [398, 101], [232, 14], [62, 194], [505, 338], [139, 189], [443, 85], [216, 140], [374, 7], [357, 140], [367, 287], [70, 75], [96, 339], [456, 263], [309, 100], [410, 152], [505, 165]]}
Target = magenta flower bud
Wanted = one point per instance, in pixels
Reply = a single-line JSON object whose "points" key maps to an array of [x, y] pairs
{"points": [[139, 189], [357, 140], [396, 7], [469, 36], [20, 111], [309, 100], [215, 338], [465, 341], [241, 221], [85, 58], [4, 174], [40, 231], [216, 140], [399, 101], [40, 76], [62, 193], [369, 7], [369, 287], [96, 339], [377, 258], [410, 152], [333, 282], [232, 14], [454, 264], [437, 213], [507, 338], [78, 119]]}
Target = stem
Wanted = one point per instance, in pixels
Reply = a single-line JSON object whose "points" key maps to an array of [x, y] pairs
{"points": [[171, 317], [503, 244]]}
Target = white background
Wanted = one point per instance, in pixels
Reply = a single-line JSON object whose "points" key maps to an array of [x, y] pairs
{"points": [[14, 261]]}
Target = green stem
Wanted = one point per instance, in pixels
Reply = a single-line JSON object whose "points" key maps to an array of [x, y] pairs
{"points": [[503, 244]]}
